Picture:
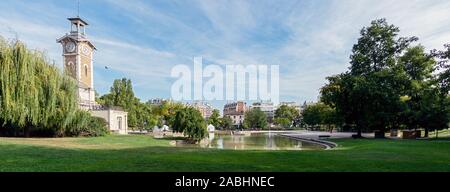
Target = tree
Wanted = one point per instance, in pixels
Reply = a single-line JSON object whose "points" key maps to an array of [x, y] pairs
{"points": [[377, 48], [180, 120], [226, 123], [286, 116], [319, 114], [284, 122], [420, 91], [255, 118], [121, 95], [37, 99], [167, 112], [191, 122], [390, 85], [140, 115], [368, 95], [215, 118]]}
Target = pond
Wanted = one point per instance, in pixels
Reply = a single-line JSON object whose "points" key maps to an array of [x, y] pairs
{"points": [[266, 141]]}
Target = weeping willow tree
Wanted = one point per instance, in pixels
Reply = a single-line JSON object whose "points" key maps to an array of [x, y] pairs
{"points": [[36, 97]]}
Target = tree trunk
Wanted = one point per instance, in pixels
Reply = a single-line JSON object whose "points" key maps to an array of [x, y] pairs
{"points": [[383, 132], [359, 134]]}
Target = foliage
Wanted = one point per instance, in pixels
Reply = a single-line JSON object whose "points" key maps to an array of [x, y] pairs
{"points": [[36, 99], [191, 122], [255, 119], [86, 125], [284, 122], [140, 115], [389, 85], [226, 123], [286, 116], [215, 118], [319, 114]]}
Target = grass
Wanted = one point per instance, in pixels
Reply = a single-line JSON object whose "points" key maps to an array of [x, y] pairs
{"points": [[143, 153]]}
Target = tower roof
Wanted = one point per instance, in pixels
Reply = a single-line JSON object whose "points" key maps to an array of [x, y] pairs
{"points": [[77, 20]]}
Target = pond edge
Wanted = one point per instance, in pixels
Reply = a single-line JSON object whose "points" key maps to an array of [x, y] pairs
{"points": [[327, 144]]}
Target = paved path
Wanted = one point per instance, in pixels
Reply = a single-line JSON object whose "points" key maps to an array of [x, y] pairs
{"points": [[334, 135]]}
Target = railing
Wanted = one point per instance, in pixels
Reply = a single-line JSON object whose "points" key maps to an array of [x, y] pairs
{"points": [[88, 105]]}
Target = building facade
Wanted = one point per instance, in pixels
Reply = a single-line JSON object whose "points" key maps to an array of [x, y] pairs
{"points": [[78, 52], [267, 107], [205, 108], [236, 111]]}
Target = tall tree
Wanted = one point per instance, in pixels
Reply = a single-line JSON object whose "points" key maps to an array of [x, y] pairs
{"points": [[215, 118], [377, 48], [122, 95], [37, 99], [190, 121], [319, 114], [369, 94], [286, 116], [420, 91], [226, 123], [255, 118]]}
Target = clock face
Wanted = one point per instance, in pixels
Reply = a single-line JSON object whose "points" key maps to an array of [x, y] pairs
{"points": [[85, 50], [70, 47]]}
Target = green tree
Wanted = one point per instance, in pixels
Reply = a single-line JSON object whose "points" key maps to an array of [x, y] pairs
{"points": [[368, 96], [191, 122], [318, 114], [37, 99], [226, 123], [141, 116], [286, 116], [167, 112], [255, 118], [215, 118], [420, 91], [284, 122]]}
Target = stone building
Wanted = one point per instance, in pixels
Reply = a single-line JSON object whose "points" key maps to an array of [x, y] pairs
{"points": [[236, 111], [205, 108], [267, 107]]}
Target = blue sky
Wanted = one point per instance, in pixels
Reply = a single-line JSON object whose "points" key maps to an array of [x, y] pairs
{"points": [[144, 39]]}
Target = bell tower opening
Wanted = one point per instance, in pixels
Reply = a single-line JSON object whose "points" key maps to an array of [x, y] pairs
{"points": [[77, 26]]}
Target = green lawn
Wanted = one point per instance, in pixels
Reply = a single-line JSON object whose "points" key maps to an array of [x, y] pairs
{"points": [[143, 153]]}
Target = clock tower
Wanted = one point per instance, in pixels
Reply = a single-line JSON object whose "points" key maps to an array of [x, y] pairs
{"points": [[78, 60]]}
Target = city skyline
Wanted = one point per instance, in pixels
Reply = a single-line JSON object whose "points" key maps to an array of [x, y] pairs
{"points": [[142, 40]]}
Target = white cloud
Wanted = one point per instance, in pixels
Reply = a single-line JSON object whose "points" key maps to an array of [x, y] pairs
{"points": [[317, 41]]}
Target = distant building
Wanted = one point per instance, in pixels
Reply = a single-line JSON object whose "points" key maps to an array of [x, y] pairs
{"points": [[292, 104], [78, 53], [236, 111], [156, 101], [267, 107], [205, 108]]}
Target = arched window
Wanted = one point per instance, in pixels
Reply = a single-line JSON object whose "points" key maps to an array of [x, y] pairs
{"points": [[86, 70]]}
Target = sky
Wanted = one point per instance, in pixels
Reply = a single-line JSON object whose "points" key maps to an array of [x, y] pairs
{"points": [[143, 39]]}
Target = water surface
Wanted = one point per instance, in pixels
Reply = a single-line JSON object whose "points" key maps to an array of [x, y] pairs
{"points": [[265, 141]]}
